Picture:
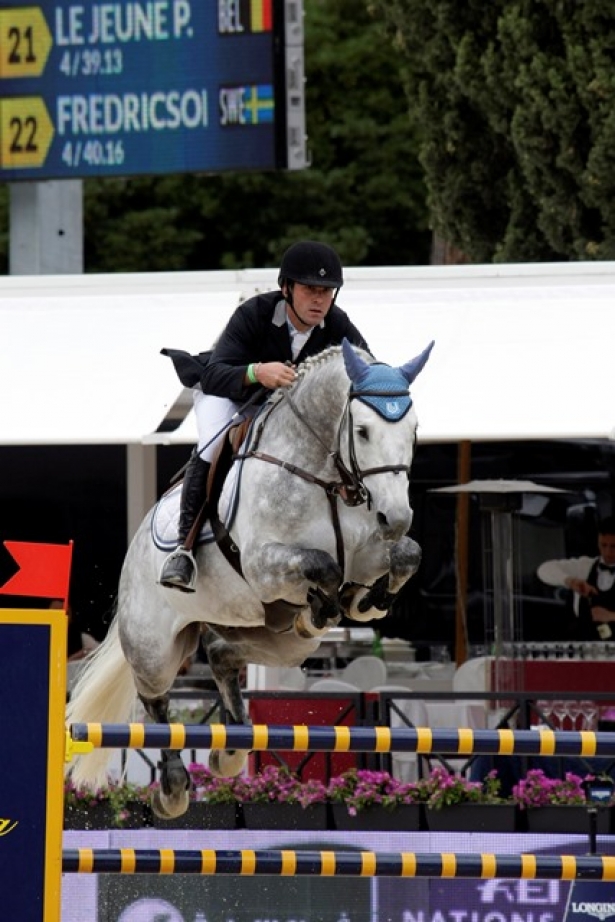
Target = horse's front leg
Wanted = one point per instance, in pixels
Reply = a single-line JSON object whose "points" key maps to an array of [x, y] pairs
{"points": [[307, 577], [401, 560]]}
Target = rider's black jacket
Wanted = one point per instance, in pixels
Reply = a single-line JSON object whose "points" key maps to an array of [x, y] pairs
{"points": [[251, 336]]}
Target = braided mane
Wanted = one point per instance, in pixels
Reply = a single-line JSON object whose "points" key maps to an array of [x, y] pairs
{"points": [[311, 363]]}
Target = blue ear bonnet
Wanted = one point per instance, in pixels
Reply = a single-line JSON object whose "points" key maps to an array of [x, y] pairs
{"points": [[383, 380]]}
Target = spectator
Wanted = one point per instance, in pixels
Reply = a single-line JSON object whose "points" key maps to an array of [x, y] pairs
{"points": [[592, 581]]}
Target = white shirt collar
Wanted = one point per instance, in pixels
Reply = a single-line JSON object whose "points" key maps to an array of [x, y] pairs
{"points": [[280, 316]]}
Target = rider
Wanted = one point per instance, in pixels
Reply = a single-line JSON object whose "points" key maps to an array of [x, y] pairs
{"points": [[263, 340]]}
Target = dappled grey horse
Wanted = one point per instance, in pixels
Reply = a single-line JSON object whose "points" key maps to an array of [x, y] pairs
{"points": [[312, 525]]}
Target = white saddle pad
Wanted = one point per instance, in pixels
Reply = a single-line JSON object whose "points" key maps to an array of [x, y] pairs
{"points": [[166, 513]]}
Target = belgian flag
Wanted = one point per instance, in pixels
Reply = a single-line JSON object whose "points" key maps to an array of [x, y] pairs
{"points": [[257, 14]]}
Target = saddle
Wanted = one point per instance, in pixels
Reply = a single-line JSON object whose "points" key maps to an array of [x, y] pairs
{"points": [[164, 522]]}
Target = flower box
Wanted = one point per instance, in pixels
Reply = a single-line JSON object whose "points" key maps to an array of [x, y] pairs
{"points": [[202, 815], [559, 804], [284, 816], [105, 815], [563, 818], [402, 818], [472, 817]]}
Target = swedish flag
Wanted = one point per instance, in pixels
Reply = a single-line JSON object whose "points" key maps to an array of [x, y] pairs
{"points": [[258, 104]]}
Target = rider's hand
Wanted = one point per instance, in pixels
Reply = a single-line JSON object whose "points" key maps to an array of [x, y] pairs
{"points": [[275, 374]]}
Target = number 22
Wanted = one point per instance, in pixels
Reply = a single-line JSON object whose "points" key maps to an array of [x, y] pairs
{"points": [[24, 132]]}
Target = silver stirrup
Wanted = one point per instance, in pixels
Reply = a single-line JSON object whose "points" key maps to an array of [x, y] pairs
{"points": [[180, 552]]}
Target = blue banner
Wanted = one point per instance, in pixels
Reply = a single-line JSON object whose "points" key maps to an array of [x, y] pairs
{"points": [[31, 725]]}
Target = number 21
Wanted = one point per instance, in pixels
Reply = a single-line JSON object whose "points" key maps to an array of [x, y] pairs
{"points": [[15, 37]]}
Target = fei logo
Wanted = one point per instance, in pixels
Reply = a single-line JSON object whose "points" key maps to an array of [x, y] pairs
{"points": [[520, 892], [7, 826]]}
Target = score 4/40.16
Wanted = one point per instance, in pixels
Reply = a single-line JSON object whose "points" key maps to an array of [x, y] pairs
{"points": [[93, 153]]}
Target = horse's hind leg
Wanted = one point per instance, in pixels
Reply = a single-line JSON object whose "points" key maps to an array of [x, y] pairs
{"points": [[173, 796], [226, 663], [155, 669]]}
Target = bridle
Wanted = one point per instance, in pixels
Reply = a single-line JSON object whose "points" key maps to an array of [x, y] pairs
{"points": [[350, 487]]}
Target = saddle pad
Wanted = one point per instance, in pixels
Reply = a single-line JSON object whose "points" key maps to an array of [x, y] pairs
{"points": [[166, 512]]}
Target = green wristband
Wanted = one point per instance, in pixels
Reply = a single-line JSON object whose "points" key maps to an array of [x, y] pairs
{"points": [[250, 374]]}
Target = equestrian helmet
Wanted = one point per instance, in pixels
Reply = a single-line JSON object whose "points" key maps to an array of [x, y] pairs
{"points": [[311, 263]]}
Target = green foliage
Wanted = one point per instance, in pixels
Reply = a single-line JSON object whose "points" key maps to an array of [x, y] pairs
{"points": [[514, 99]]}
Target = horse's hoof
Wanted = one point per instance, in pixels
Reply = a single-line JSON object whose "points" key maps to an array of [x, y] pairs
{"points": [[174, 777], [227, 764], [168, 808], [305, 628]]}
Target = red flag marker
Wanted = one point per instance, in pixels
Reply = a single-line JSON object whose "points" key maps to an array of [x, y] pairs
{"points": [[44, 570]]}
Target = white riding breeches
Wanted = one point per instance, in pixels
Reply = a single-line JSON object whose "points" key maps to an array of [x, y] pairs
{"points": [[213, 414]]}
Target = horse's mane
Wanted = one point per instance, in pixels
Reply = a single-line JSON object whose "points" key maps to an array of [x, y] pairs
{"points": [[313, 362]]}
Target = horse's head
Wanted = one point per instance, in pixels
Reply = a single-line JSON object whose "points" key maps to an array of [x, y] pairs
{"points": [[381, 435]]}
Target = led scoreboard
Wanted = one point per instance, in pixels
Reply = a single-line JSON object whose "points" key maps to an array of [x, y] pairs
{"points": [[157, 86]]}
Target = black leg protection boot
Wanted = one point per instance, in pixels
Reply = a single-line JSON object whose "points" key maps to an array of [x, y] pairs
{"points": [[179, 569]]}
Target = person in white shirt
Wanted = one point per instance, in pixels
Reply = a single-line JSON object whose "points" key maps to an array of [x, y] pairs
{"points": [[592, 580]]}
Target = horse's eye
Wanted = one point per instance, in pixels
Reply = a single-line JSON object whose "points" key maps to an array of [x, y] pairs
{"points": [[363, 433]]}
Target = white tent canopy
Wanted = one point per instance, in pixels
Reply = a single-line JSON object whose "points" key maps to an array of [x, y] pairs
{"points": [[521, 352]]}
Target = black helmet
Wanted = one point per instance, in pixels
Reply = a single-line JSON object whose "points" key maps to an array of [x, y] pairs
{"points": [[311, 263]]}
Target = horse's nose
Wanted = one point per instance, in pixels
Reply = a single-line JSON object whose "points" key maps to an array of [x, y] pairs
{"points": [[394, 524]]}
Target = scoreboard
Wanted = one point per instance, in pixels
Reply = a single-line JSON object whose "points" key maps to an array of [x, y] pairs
{"points": [[150, 87]]}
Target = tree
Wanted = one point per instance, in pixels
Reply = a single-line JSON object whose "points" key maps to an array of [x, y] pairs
{"points": [[514, 101]]}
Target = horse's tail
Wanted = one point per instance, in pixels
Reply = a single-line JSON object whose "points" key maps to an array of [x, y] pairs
{"points": [[103, 693]]}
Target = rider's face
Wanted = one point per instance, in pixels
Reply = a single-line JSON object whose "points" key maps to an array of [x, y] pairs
{"points": [[312, 303]]}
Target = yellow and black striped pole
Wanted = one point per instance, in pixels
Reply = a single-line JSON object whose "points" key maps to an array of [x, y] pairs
{"points": [[422, 740], [290, 863]]}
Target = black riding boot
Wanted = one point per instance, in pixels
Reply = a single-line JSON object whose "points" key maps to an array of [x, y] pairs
{"points": [[179, 569]]}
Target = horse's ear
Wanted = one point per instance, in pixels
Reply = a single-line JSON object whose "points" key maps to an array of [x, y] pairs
{"points": [[413, 368], [355, 365]]}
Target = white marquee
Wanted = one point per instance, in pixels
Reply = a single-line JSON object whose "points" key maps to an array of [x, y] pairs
{"points": [[522, 352]]}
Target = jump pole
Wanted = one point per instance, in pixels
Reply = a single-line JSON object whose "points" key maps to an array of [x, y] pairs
{"points": [[290, 863], [33, 695], [82, 738]]}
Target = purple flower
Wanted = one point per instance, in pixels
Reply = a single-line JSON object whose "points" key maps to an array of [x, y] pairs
{"points": [[538, 790]]}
